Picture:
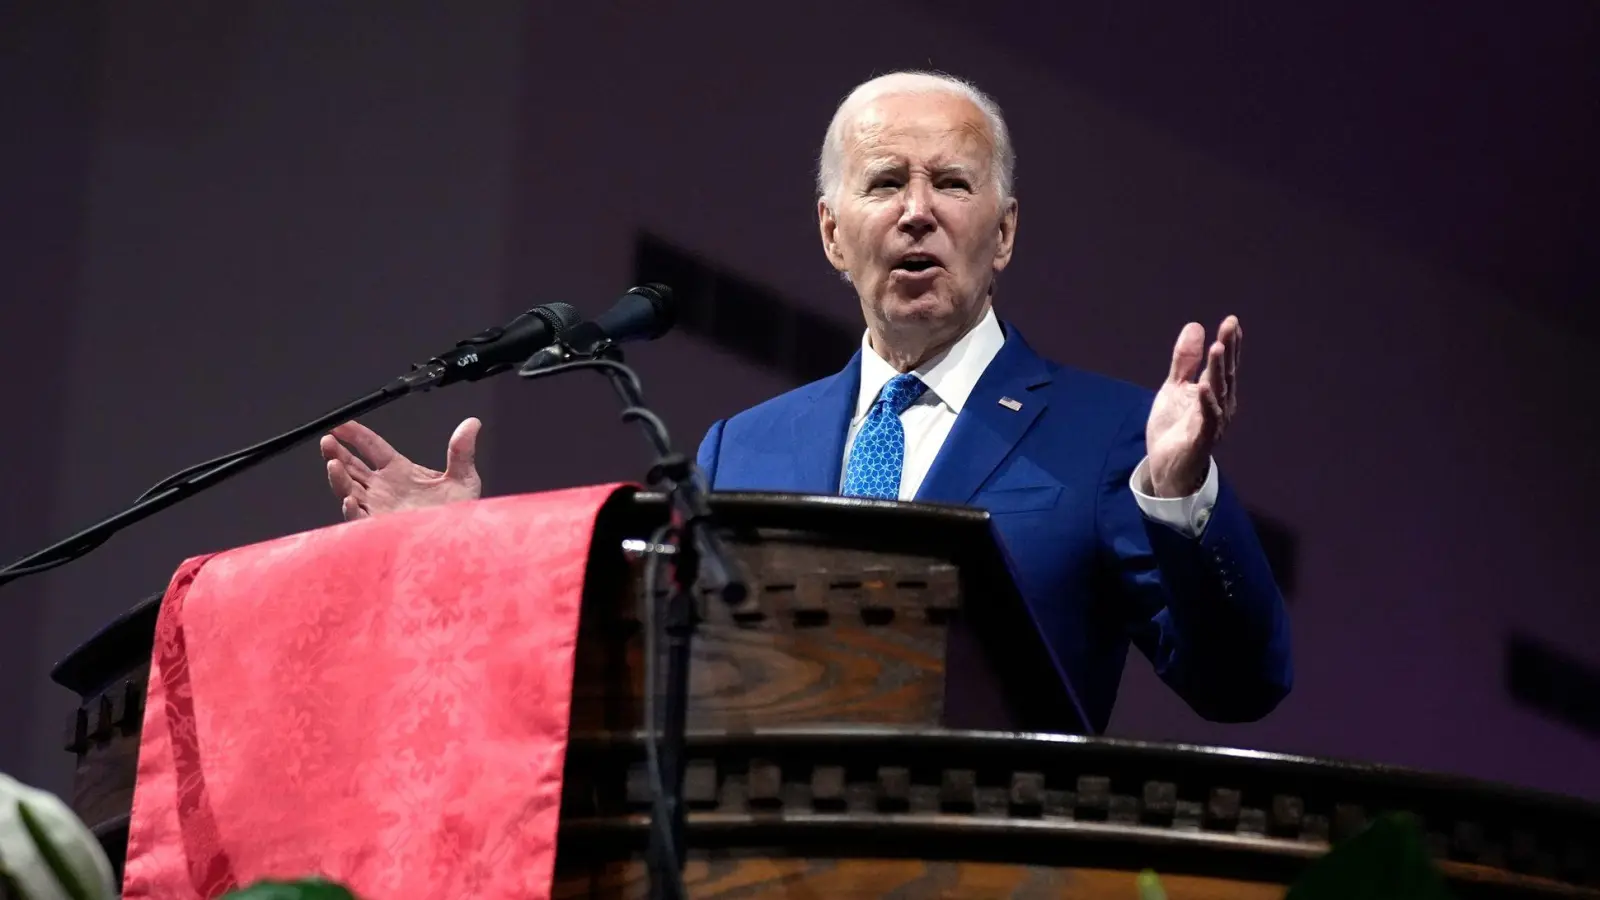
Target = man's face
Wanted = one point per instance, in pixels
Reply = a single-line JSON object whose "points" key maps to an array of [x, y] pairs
{"points": [[917, 221]]}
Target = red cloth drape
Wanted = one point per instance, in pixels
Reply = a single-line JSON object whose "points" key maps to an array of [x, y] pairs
{"points": [[383, 703]]}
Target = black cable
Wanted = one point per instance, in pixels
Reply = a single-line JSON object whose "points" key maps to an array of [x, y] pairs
{"points": [[209, 464], [715, 567], [630, 413], [660, 817], [584, 363], [227, 458], [640, 414], [181, 485], [75, 551], [24, 571]]}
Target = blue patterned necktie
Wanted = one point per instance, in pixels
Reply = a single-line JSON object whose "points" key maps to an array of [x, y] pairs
{"points": [[879, 450]]}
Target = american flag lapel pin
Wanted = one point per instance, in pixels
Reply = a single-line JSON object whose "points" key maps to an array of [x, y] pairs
{"points": [[1008, 403]]}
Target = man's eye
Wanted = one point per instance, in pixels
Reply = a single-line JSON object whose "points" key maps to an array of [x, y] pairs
{"points": [[885, 183], [958, 184]]}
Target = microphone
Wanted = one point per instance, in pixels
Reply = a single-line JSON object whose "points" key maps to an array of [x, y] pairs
{"points": [[644, 313], [496, 349]]}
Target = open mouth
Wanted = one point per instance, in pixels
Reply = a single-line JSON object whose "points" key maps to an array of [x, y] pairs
{"points": [[916, 262]]}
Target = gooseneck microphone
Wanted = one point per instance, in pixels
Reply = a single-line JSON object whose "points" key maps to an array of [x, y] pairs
{"points": [[644, 313]]}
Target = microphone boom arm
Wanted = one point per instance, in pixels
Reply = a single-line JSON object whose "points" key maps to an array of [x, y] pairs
{"points": [[484, 354], [197, 478]]}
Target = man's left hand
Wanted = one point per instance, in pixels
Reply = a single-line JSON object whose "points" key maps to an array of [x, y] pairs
{"points": [[1189, 417]]}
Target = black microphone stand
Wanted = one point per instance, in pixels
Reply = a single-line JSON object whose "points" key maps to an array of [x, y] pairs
{"points": [[700, 558], [194, 479]]}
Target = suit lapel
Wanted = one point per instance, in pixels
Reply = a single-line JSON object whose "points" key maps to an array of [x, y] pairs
{"points": [[988, 429], [819, 430]]}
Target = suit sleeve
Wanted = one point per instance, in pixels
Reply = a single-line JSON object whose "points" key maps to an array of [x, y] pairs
{"points": [[710, 447], [1206, 611]]}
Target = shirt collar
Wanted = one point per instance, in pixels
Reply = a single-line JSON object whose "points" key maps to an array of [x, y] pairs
{"points": [[950, 376]]}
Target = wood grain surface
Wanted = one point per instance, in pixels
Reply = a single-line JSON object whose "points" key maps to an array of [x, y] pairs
{"points": [[850, 879], [841, 635]]}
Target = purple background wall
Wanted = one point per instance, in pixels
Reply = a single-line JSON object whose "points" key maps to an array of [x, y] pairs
{"points": [[222, 219]]}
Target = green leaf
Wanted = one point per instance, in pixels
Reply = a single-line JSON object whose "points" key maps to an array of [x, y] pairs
{"points": [[70, 881], [1388, 860], [9, 889], [305, 889]]}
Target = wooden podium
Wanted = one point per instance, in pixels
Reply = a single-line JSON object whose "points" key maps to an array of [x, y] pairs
{"points": [[888, 721]]}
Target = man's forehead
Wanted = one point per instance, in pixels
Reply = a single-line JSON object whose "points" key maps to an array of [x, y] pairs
{"points": [[950, 126], [937, 162]]}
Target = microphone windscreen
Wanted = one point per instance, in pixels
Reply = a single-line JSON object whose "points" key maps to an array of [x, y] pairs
{"points": [[643, 314], [564, 316]]}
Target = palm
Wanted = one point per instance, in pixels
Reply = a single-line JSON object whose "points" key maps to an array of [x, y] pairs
{"points": [[1188, 417], [402, 484], [381, 480]]}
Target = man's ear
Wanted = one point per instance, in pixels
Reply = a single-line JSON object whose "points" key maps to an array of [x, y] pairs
{"points": [[1008, 235], [828, 228]]}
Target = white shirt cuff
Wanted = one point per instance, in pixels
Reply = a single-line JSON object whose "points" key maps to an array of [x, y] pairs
{"points": [[1186, 515]]}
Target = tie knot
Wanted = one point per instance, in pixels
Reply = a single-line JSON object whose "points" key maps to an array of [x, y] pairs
{"points": [[901, 392]]}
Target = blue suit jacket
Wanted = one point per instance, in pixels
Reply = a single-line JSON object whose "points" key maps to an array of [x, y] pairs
{"points": [[1054, 476]]}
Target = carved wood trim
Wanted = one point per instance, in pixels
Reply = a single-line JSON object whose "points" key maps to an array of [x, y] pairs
{"points": [[935, 782]]}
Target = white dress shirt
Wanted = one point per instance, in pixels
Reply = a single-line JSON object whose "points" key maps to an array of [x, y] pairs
{"points": [[950, 378]]}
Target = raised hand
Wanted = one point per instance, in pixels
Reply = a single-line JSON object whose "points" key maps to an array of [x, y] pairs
{"points": [[1190, 416], [380, 480]]}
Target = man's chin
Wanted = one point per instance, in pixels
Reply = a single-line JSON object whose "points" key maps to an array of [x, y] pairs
{"points": [[924, 308]]}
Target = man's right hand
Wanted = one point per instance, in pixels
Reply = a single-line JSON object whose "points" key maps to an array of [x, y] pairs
{"points": [[379, 480]]}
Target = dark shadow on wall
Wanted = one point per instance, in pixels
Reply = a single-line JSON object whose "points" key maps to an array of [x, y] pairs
{"points": [[743, 317], [1553, 684]]}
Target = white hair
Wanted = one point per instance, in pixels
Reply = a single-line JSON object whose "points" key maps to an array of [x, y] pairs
{"points": [[830, 163]]}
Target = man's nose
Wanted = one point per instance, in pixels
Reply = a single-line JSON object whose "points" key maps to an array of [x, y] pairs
{"points": [[916, 215]]}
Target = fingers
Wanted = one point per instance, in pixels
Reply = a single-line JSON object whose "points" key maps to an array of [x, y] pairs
{"points": [[1211, 413], [462, 452], [374, 449], [1231, 335], [1187, 352], [343, 485], [1214, 377], [335, 452], [353, 510], [347, 477]]}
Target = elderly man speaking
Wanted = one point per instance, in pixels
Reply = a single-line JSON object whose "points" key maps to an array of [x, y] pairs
{"points": [[1108, 500]]}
